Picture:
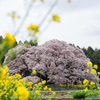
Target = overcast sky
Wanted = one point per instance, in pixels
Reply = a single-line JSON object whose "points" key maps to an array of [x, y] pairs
{"points": [[79, 20]]}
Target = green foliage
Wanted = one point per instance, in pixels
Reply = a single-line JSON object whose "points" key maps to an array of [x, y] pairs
{"points": [[72, 44], [6, 48], [93, 55], [79, 95], [93, 94], [1, 39], [14, 51], [31, 42]]}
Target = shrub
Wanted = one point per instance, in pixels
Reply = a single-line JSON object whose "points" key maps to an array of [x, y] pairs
{"points": [[93, 94], [79, 95]]}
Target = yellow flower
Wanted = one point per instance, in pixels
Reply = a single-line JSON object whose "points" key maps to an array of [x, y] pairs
{"points": [[49, 89], [85, 82], [93, 71], [28, 28], [24, 79], [54, 93], [29, 84], [18, 16], [37, 92], [98, 87], [69, 0], [86, 89], [95, 66], [87, 70], [44, 82], [34, 72], [34, 29], [10, 39], [13, 16], [35, 85], [92, 83], [23, 93], [42, 0], [2, 73], [56, 18], [11, 97], [5, 95], [89, 64], [33, 26], [6, 68], [98, 73], [49, 20], [15, 94], [8, 74], [8, 14], [45, 88]]}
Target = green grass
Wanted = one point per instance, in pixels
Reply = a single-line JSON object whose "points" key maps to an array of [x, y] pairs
{"points": [[68, 94]]}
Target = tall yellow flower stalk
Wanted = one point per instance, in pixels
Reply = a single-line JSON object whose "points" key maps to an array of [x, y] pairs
{"points": [[92, 70], [10, 40]]}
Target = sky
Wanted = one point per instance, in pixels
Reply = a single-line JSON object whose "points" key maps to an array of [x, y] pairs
{"points": [[79, 21]]}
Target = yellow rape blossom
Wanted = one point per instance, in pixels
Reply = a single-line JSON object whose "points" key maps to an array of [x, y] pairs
{"points": [[98, 87], [92, 83], [13, 16], [93, 71], [49, 20], [45, 88], [18, 16], [54, 93], [33, 27], [8, 74], [89, 64], [44, 82], [42, 0], [6, 68], [8, 14], [35, 85], [98, 73], [85, 82], [37, 92], [56, 18], [87, 71], [86, 89], [15, 94], [95, 66], [29, 84], [3, 72], [34, 72], [10, 39], [49, 89], [23, 93]]}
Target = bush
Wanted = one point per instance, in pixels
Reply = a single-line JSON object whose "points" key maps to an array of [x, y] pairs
{"points": [[93, 94], [79, 95], [31, 42]]}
